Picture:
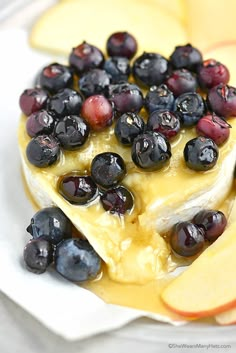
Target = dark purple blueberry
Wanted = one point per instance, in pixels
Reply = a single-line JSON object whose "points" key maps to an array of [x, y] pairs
{"points": [[72, 132], [84, 57], [181, 81], [214, 127], [128, 126], [43, 151], [65, 102], [126, 97], [32, 100], [222, 100], [201, 153], [121, 44], [55, 77], [38, 255], [213, 222], [40, 123], [118, 200], [78, 190], [150, 69], [190, 107], [98, 112], [151, 151], [159, 97], [76, 260], [50, 223], [186, 239], [211, 73], [108, 169], [94, 81], [165, 122], [118, 68], [186, 57]]}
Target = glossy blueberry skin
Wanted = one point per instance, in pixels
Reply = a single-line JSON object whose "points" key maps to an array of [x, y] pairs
{"points": [[108, 169], [78, 190], [121, 44], [190, 107], [165, 122], [42, 151], [150, 69], [117, 201], [213, 222], [76, 260], [159, 97], [214, 127], [72, 132], [55, 77], [151, 151], [128, 126], [222, 100], [186, 56], [33, 99], [126, 97], [118, 68], [84, 57], [211, 73], [201, 153], [95, 81], [181, 81], [40, 123], [65, 102], [186, 239], [38, 255], [51, 224]]}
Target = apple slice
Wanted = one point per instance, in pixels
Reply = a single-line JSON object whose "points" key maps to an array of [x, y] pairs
{"points": [[67, 24], [207, 287], [227, 317], [210, 21]]}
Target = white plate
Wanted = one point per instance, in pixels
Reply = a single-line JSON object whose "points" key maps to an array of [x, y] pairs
{"points": [[60, 305]]}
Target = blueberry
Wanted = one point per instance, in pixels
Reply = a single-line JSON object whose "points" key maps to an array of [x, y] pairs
{"points": [[121, 44], [38, 255], [151, 151], [165, 122], [190, 107], [108, 169], [213, 222], [201, 153], [186, 239], [50, 223], [126, 97], [43, 151], [84, 57], [181, 81], [78, 190], [186, 56], [118, 68], [40, 123], [76, 260], [222, 100], [128, 126], [150, 69], [95, 81], [65, 102], [118, 200], [32, 100], [72, 132], [159, 97], [55, 77]]}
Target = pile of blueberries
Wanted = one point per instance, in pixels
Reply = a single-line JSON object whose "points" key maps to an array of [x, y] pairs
{"points": [[92, 93]]}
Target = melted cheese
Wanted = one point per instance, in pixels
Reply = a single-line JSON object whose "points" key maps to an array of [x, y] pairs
{"points": [[132, 246]]}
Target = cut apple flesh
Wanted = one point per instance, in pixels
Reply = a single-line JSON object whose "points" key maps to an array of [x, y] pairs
{"points": [[207, 287], [227, 317], [69, 23]]}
